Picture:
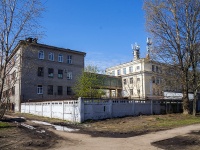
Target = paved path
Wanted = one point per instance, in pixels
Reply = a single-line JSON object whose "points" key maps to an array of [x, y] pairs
{"points": [[75, 141]]}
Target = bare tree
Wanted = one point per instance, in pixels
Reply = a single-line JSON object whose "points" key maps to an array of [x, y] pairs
{"points": [[175, 27], [18, 20]]}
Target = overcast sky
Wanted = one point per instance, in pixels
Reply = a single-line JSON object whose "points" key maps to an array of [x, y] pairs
{"points": [[104, 29]]}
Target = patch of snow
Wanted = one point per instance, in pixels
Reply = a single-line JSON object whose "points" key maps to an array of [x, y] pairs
{"points": [[41, 122], [27, 126], [62, 128]]}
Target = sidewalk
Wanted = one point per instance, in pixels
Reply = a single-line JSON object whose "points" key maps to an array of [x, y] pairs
{"points": [[76, 141]]}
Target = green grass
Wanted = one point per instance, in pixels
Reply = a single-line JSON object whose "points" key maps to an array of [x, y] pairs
{"points": [[4, 125]]}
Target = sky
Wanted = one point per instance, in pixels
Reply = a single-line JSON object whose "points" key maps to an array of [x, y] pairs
{"points": [[104, 29]]}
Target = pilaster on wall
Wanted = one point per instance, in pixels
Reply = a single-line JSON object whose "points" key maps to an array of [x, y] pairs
{"points": [[81, 109]]}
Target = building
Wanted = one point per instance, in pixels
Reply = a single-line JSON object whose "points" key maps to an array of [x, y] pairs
{"points": [[41, 72], [142, 78]]}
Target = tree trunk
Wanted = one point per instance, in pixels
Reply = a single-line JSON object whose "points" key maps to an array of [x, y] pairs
{"points": [[195, 103], [186, 109]]}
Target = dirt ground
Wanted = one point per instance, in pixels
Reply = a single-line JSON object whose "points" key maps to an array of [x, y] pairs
{"points": [[99, 135]]}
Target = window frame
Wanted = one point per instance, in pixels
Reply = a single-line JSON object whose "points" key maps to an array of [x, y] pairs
{"points": [[60, 58], [51, 56], [69, 90], [39, 89], [40, 53], [40, 73], [60, 77], [69, 75], [50, 74], [69, 59], [50, 89], [60, 90]]}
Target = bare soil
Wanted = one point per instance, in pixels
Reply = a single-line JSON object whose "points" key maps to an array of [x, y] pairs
{"points": [[120, 133], [189, 141]]}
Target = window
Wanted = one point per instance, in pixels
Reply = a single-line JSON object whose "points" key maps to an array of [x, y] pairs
{"points": [[69, 91], [50, 89], [138, 79], [41, 54], [118, 72], [138, 67], [113, 73], [131, 69], [153, 68], [60, 90], [51, 56], [69, 59], [50, 72], [60, 74], [124, 81], [124, 70], [131, 91], [60, 58], [131, 80], [69, 75], [156, 68], [158, 80], [40, 71], [39, 89]]}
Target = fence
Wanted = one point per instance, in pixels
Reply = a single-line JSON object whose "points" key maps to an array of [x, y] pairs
{"points": [[85, 109], [66, 110]]}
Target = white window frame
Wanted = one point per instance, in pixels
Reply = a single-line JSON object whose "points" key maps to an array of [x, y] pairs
{"points": [[41, 54], [69, 59], [131, 69], [51, 56], [60, 58], [39, 89], [124, 70], [69, 75], [119, 72]]}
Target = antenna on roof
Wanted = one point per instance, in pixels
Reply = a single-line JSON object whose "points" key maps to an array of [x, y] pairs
{"points": [[149, 43]]}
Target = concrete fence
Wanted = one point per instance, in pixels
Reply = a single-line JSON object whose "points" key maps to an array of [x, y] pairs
{"points": [[85, 109]]}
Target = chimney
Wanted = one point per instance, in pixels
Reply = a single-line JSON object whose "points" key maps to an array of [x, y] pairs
{"points": [[136, 51]]}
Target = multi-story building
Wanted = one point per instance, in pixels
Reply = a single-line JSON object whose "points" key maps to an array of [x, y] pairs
{"points": [[141, 78], [41, 72]]}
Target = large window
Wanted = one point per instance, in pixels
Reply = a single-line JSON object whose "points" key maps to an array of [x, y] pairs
{"points": [[69, 75], [124, 81], [50, 90], [69, 59], [39, 89], [40, 71], [60, 58], [60, 90], [50, 72], [51, 56], [131, 91], [153, 68], [118, 72], [69, 90], [124, 70], [60, 74], [41, 54], [131, 69]]}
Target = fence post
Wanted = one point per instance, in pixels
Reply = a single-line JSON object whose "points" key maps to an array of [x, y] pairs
{"points": [[133, 107], [110, 108], [81, 109], [63, 109], [51, 109], [151, 107]]}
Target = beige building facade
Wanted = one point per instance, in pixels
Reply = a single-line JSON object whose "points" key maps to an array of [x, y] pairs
{"points": [[141, 78], [42, 72]]}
